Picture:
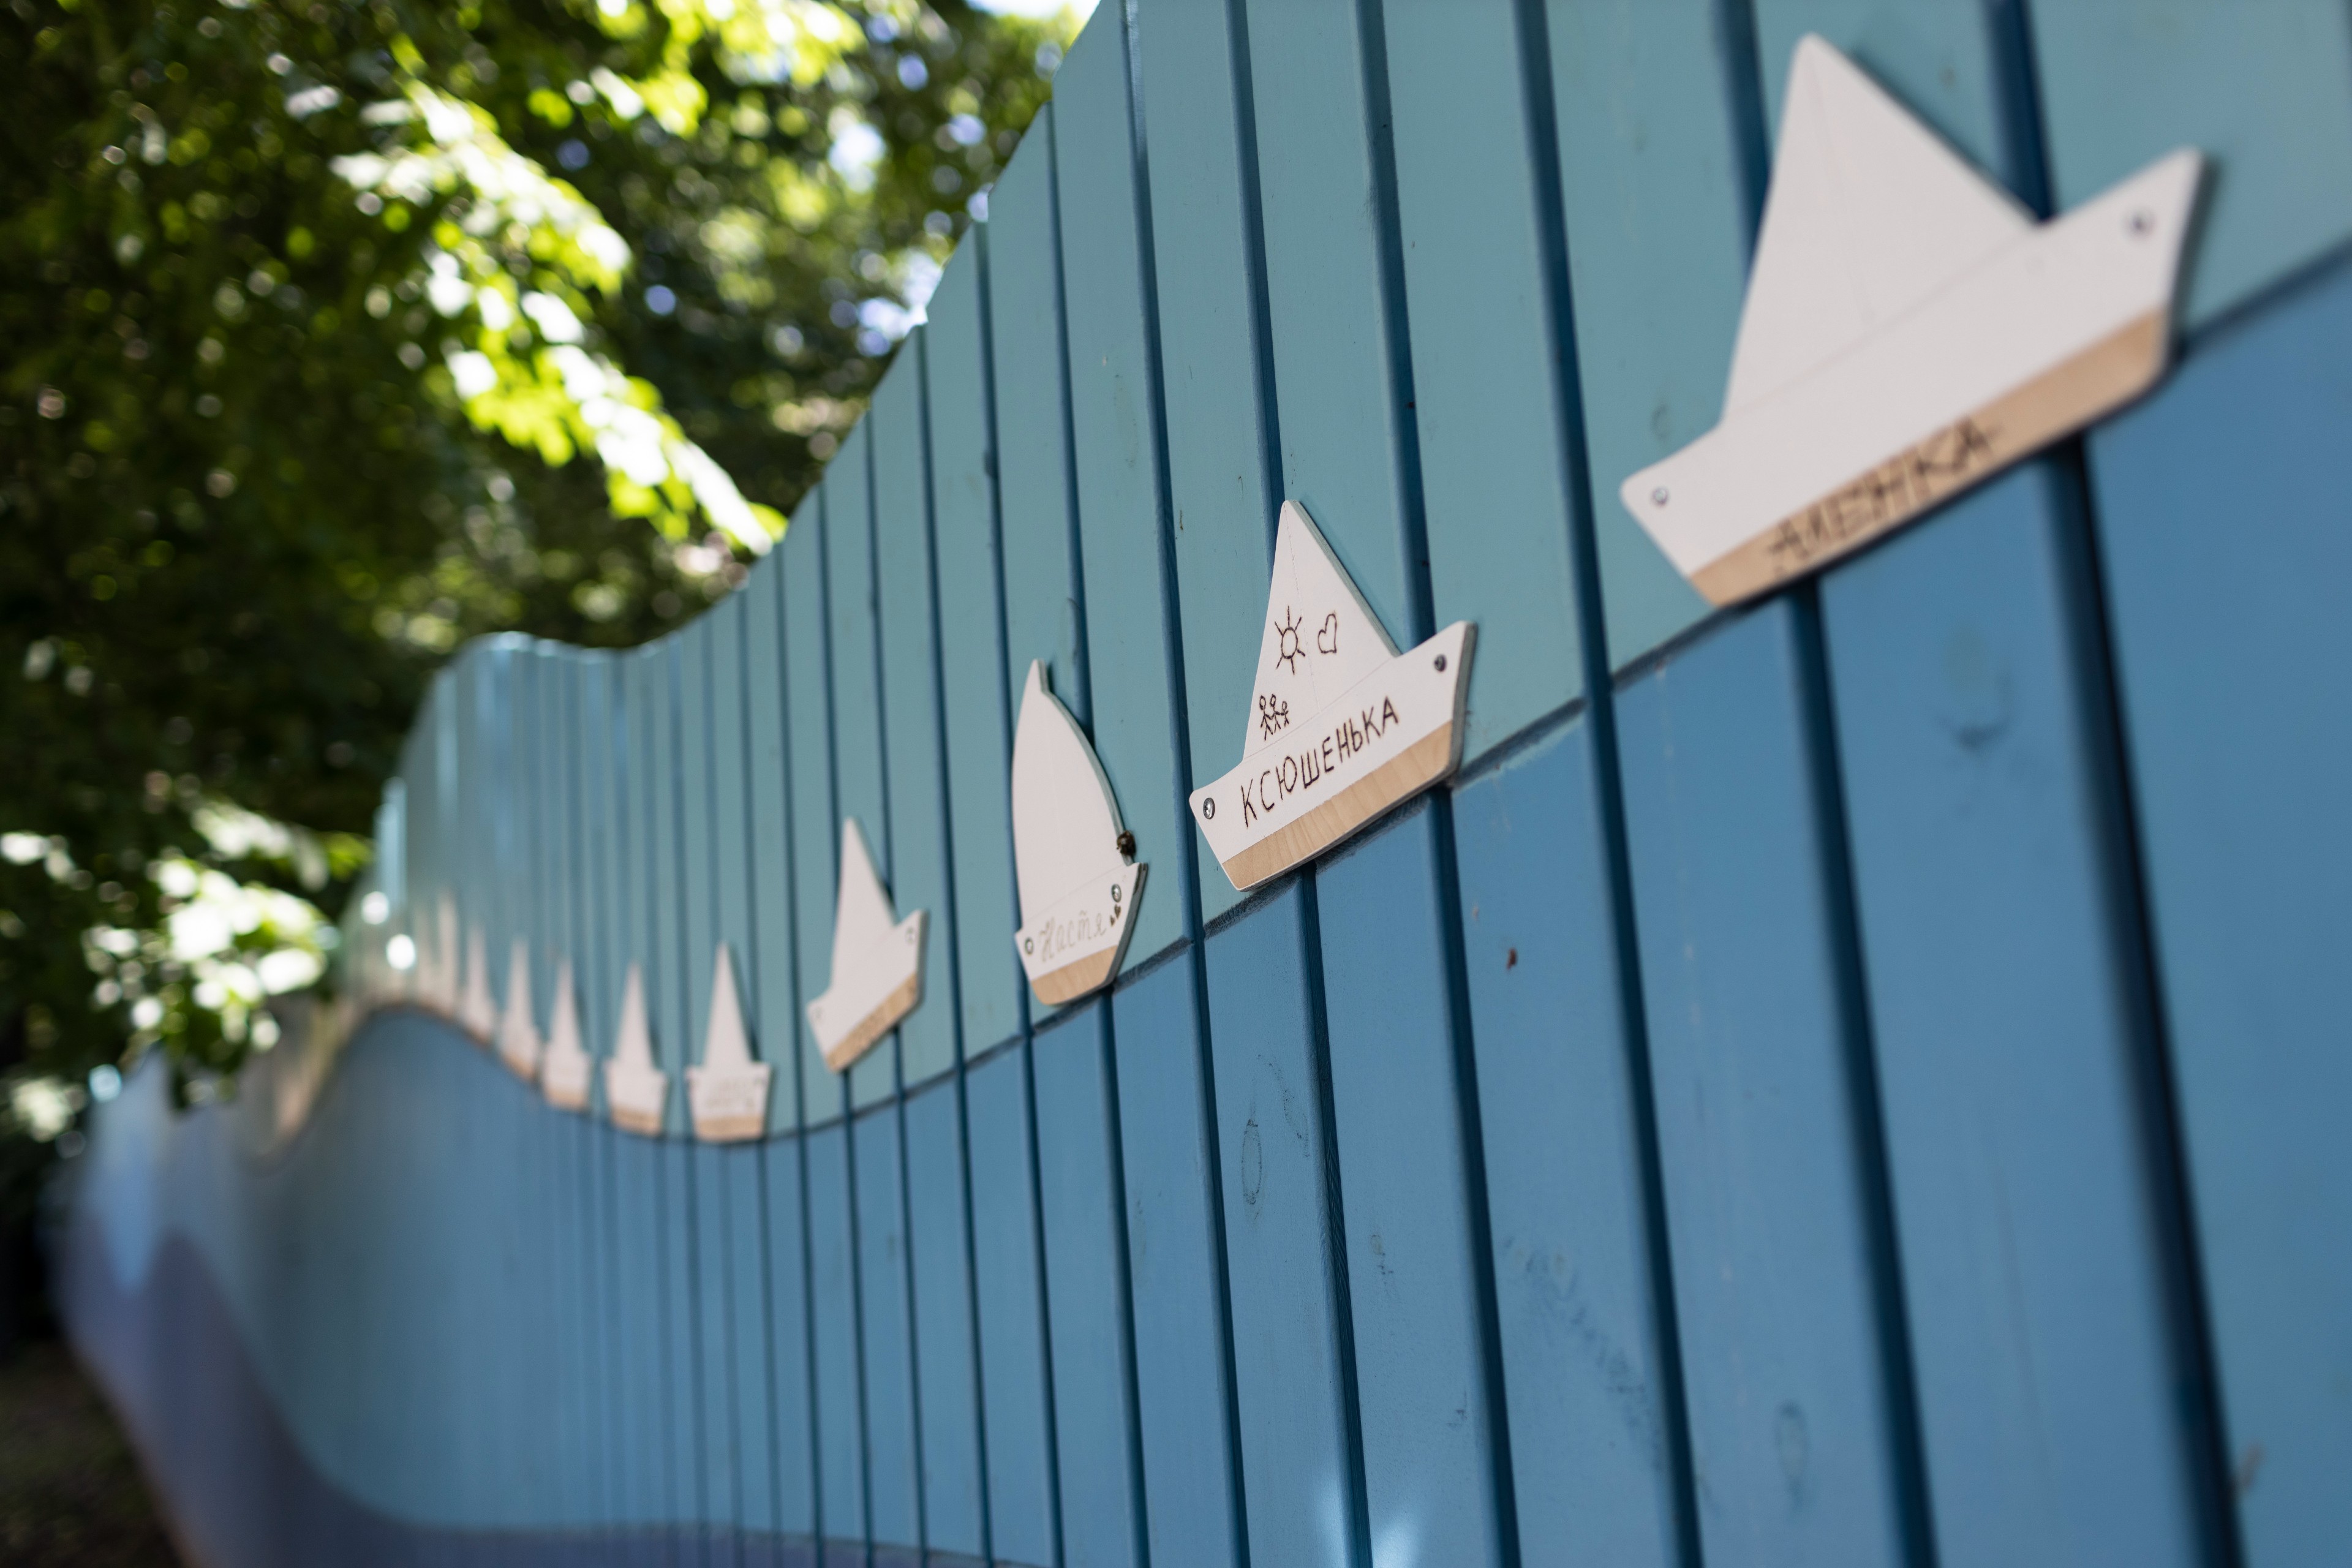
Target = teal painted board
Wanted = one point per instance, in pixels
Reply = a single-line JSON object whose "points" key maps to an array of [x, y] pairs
{"points": [[1756, 1051], [1093, 1349], [792, 1367], [2004, 989], [840, 1417], [1436, 1476], [859, 768], [906, 635], [1652, 155], [602, 960], [1183, 1353], [975, 702], [816, 829], [1337, 323], [2264, 91], [769, 970], [1224, 486], [1044, 614], [1492, 401], [702, 717], [1586, 1387], [1294, 1357], [1009, 1306], [939, 1259], [1113, 411], [742, 1180], [2232, 663], [893, 1461]]}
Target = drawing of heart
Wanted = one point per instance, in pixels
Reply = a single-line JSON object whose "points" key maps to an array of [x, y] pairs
{"points": [[1327, 640]]}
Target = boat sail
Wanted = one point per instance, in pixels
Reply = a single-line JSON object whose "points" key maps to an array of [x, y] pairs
{"points": [[565, 1066], [727, 1092], [1075, 861], [635, 1090], [1909, 331], [1341, 727], [877, 962], [519, 1043]]}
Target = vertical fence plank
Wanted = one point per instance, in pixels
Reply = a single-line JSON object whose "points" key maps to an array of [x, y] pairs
{"points": [[1754, 1043], [1658, 194]]}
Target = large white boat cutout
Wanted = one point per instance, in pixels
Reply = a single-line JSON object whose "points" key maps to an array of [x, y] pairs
{"points": [[1341, 727], [877, 962], [728, 1092], [519, 1042], [478, 1010], [1075, 860], [635, 1091], [565, 1067], [1909, 331]]}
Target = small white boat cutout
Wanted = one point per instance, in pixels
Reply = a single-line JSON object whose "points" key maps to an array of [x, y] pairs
{"points": [[565, 1066], [1909, 331], [1341, 727], [635, 1091], [877, 962], [728, 1092], [1075, 860], [519, 1042], [478, 1010]]}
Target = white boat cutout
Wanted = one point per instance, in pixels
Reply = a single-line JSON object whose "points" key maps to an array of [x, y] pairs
{"points": [[1075, 860], [728, 1092], [1909, 331], [478, 1010], [877, 962], [1341, 727], [519, 1042], [636, 1092], [565, 1066]]}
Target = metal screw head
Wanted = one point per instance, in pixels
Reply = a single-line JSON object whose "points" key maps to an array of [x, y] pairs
{"points": [[2141, 221], [1029, 944], [1116, 892], [1440, 663], [1208, 808], [1658, 496], [1127, 843]]}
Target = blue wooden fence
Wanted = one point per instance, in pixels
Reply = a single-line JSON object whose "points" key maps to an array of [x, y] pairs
{"points": [[1848, 1080]]}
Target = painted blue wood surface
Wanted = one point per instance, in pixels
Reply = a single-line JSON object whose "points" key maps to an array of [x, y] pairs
{"points": [[1042, 614], [853, 630], [1079, 1191], [1658, 169], [1336, 320], [894, 1463], [1490, 401], [1009, 1298], [816, 829], [1784, 1304], [1131, 641], [1434, 1440], [906, 636], [2264, 91], [2230, 664], [1590, 1407], [1302, 1465], [946, 1368], [1222, 473], [841, 1434], [975, 702]]}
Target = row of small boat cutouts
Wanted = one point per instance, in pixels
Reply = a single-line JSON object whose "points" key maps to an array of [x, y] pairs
{"points": [[1909, 331]]}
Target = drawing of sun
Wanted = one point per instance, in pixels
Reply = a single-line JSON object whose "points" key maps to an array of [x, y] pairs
{"points": [[1291, 649]]}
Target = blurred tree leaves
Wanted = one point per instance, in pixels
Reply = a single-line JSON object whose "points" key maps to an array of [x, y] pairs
{"points": [[263, 462]]}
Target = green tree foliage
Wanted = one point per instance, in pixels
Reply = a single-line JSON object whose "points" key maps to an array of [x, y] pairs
{"points": [[339, 333]]}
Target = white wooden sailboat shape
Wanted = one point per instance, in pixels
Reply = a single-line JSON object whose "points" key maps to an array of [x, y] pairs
{"points": [[1078, 879], [565, 1066], [635, 1090], [877, 962], [519, 1042], [478, 1010], [1909, 331], [1341, 727], [728, 1092]]}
